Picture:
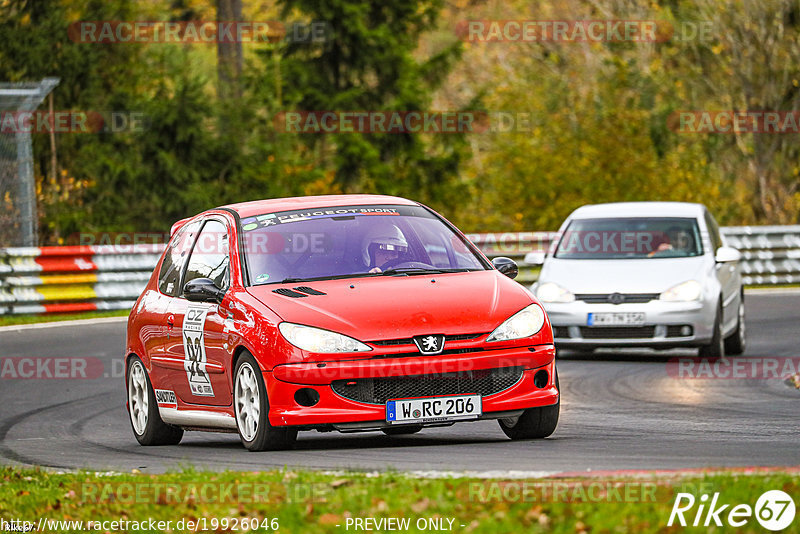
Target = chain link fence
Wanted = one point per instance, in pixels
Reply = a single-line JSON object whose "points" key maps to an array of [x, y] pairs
{"points": [[18, 214]]}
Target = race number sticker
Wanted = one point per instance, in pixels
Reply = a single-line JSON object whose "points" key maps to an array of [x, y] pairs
{"points": [[195, 352]]}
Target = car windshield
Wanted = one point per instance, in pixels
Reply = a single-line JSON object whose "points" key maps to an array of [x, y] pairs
{"points": [[347, 241], [630, 238]]}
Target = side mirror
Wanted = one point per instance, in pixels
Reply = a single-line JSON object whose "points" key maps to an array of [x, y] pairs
{"points": [[534, 258], [727, 254], [202, 290], [507, 266]]}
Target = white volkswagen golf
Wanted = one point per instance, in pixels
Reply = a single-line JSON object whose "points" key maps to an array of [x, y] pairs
{"points": [[653, 274]]}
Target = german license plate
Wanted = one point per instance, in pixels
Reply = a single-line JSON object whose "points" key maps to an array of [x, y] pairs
{"points": [[615, 319], [433, 409]]}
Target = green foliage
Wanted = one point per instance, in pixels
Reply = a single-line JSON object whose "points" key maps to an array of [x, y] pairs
{"points": [[368, 64], [599, 113], [313, 501]]}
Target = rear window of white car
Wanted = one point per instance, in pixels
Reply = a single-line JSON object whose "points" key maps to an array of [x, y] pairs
{"points": [[630, 238]]}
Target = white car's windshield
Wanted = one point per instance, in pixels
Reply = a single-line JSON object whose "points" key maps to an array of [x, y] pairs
{"points": [[343, 241], [630, 238]]}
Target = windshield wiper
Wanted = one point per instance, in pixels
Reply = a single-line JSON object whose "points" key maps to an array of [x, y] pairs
{"points": [[388, 272], [295, 280], [420, 270], [321, 278]]}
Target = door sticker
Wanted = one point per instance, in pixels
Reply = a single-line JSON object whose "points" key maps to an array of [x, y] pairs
{"points": [[195, 352]]}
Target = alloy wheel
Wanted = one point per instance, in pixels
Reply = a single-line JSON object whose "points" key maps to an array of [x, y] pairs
{"points": [[248, 405]]}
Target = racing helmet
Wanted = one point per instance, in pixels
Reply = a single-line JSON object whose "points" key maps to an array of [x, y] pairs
{"points": [[383, 237]]}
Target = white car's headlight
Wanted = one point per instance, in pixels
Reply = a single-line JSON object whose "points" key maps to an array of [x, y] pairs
{"points": [[552, 292], [319, 340], [524, 323], [684, 292]]}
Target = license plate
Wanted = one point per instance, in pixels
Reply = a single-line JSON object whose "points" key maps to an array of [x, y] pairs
{"points": [[615, 319], [433, 409]]}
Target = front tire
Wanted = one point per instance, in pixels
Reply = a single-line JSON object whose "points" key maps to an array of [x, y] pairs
{"points": [[146, 422], [737, 341], [252, 409], [716, 348], [534, 423]]}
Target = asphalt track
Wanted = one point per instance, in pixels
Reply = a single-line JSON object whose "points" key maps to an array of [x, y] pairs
{"points": [[620, 410]]}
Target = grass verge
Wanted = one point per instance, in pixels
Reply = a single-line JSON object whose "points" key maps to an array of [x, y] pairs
{"points": [[10, 320], [309, 501]]}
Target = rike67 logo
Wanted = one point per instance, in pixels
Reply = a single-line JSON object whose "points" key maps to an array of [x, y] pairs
{"points": [[774, 510]]}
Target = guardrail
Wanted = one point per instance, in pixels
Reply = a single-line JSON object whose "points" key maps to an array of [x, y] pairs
{"points": [[74, 279], [111, 277], [770, 254]]}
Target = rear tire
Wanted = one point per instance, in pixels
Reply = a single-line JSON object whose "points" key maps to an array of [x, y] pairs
{"points": [[251, 409], [534, 423], [146, 423], [402, 430], [737, 341], [716, 348]]}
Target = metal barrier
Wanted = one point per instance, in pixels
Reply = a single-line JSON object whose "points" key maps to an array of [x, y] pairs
{"points": [[74, 279], [111, 277], [770, 254]]}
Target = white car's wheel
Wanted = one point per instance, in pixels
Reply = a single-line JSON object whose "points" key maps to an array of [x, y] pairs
{"points": [[737, 341], [716, 347], [146, 422], [252, 410]]}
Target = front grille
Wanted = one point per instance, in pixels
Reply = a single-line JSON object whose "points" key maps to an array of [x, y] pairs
{"points": [[418, 353], [617, 332], [410, 341], [560, 331], [379, 390], [605, 298]]}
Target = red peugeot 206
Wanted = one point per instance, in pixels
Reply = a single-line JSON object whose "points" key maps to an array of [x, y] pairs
{"points": [[347, 313]]}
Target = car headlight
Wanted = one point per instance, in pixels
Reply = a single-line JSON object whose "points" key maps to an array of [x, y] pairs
{"points": [[684, 292], [552, 292], [524, 323], [319, 340]]}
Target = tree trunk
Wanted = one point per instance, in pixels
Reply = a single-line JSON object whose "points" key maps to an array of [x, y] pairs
{"points": [[229, 54]]}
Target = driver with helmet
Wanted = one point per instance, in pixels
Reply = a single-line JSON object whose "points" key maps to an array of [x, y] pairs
{"points": [[382, 246]]}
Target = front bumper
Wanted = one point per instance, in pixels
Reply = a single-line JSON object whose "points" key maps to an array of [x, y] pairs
{"points": [[666, 324], [334, 411]]}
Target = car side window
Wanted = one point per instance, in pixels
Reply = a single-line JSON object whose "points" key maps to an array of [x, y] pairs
{"points": [[713, 232], [210, 257], [175, 258]]}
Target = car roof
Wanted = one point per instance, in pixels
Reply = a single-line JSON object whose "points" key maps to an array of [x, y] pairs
{"points": [[258, 207], [639, 209]]}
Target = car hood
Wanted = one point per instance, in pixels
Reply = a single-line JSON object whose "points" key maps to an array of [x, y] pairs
{"points": [[393, 307], [652, 275]]}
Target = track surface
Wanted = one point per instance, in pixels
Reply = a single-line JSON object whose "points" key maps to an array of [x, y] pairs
{"points": [[620, 410]]}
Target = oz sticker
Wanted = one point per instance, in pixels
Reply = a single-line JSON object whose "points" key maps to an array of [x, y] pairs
{"points": [[195, 350]]}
